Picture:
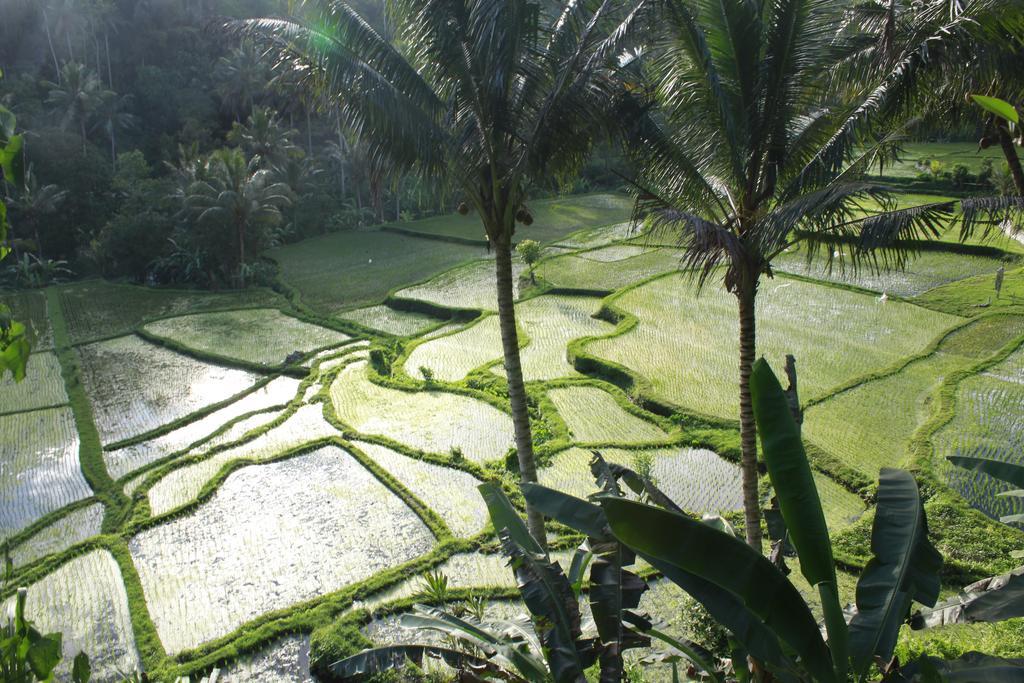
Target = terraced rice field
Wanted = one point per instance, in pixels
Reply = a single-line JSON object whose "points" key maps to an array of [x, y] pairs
{"points": [[573, 271], [85, 599], [386, 319], [434, 421], [697, 480], [101, 310], [453, 494], [255, 336], [43, 386], [40, 472], [469, 286], [258, 545], [136, 387], [836, 335], [987, 424], [74, 527], [228, 513], [593, 416], [123, 461]]}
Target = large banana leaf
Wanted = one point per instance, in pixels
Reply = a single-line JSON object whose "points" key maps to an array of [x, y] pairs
{"points": [[695, 548], [362, 666], [1006, 471], [905, 568], [799, 504], [504, 516], [511, 646], [993, 599], [548, 595], [723, 606]]}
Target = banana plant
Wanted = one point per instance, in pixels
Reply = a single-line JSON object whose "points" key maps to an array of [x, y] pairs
{"points": [[755, 601]]}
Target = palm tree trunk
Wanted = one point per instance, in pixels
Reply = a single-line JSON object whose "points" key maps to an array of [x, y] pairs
{"points": [[81, 126], [241, 256], [49, 40], [516, 387], [1010, 152], [110, 70], [746, 294]]}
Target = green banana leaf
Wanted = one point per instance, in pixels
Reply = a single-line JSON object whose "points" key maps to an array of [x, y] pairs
{"points": [[726, 608], [504, 516], [1006, 471], [546, 591], [905, 567], [730, 564], [799, 503]]}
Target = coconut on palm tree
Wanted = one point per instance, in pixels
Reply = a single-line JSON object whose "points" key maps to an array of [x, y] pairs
{"points": [[750, 153], [496, 95]]}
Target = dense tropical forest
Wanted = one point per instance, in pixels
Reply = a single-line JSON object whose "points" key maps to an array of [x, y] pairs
{"points": [[512, 340]]}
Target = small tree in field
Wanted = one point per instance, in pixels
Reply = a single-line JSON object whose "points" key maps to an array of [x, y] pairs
{"points": [[529, 251]]}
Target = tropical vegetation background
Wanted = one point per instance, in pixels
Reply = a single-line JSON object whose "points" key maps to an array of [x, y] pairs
{"points": [[441, 340]]}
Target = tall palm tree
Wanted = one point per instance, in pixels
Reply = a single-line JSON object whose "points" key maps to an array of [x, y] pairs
{"points": [[264, 135], [33, 202], [493, 94], [113, 115], [749, 154], [235, 194], [240, 78], [77, 96], [954, 48]]}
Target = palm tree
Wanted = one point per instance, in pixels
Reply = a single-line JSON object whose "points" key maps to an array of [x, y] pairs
{"points": [[495, 95], [954, 48], [263, 135], [750, 154], [77, 97], [34, 202], [237, 195], [112, 115], [240, 78]]}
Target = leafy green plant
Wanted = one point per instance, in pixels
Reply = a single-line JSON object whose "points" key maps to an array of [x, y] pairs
{"points": [[433, 587], [755, 601], [14, 344], [529, 252]]}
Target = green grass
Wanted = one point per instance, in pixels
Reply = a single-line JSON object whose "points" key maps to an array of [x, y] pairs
{"points": [[261, 336], [99, 310], [593, 416], [359, 268], [39, 469], [432, 421], [136, 387], [86, 600], [686, 346], [258, 545], [552, 219]]}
